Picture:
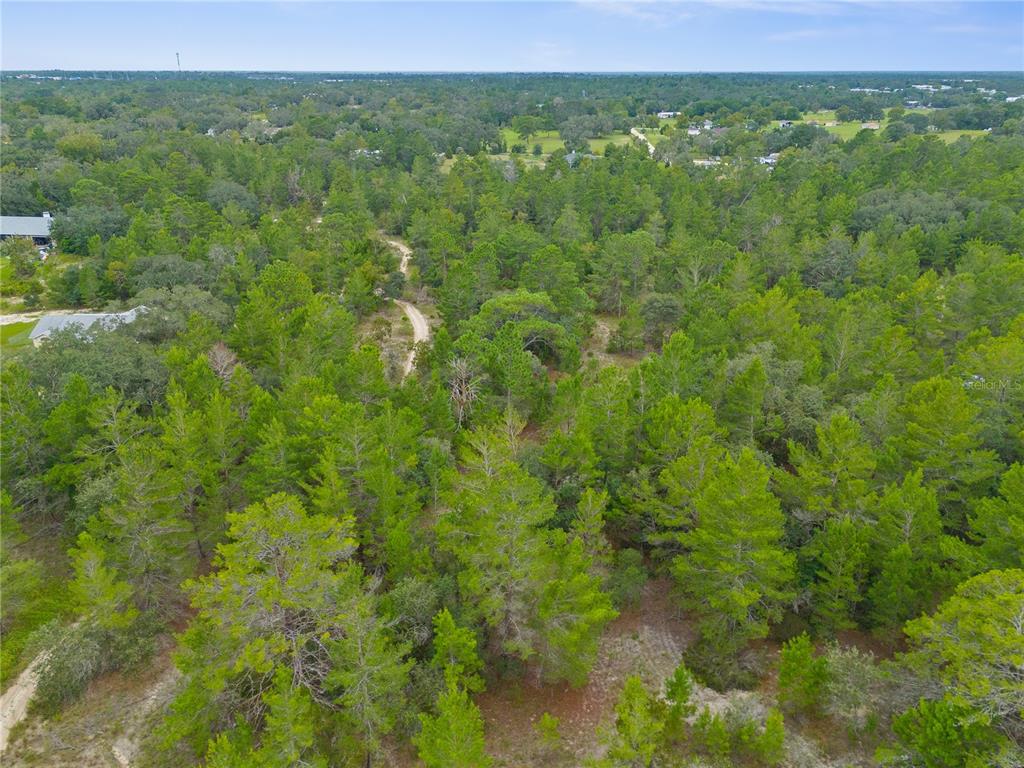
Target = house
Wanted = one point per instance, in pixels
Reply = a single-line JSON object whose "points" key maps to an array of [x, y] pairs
{"points": [[785, 123], [870, 125], [708, 125], [49, 324], [770, 159], [707, 163], [693, 131], [831, 123], [36, 227], [1012, 99], [667, 115]]}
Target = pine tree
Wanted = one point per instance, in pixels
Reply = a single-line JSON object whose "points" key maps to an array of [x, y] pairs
{"points": [[906, 549], [802, 675], [493, 529], [743, 407], [572, 611], [839, 552], [735, 572], [998, 522], [455, 653], [942, 439], [832, 480], [639, 723], [454, 738]]}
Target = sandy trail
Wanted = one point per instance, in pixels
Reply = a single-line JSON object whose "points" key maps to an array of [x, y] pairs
{"points": [[25, 317], [420, 327], [636, 133], [15, 700]]}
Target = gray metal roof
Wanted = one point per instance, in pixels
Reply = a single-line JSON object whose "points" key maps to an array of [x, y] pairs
{"points": [[82, 322], [26, 226]]}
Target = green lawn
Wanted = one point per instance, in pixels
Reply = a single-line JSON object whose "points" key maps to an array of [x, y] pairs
{"points": [[15, 335], [550, 141], [848, 130], [950, 136], [597, 146]]}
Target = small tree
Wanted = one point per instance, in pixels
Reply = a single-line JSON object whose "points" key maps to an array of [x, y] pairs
{"points": [[455, 652], [455, 737], [770, 745], [802, 675], [638, 727]]}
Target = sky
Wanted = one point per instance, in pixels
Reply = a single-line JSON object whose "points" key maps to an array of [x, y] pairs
{"points": [[582, 36]]}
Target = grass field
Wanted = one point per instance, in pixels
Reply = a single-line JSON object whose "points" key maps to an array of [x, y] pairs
{"points": [[597, 146], [848, 130], [14, 335], [550, 141]]}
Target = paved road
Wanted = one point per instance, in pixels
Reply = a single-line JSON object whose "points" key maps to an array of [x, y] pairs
{"points": [[420, 327]]}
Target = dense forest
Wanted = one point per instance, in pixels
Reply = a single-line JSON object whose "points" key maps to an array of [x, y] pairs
{"points": [[759, 381]]}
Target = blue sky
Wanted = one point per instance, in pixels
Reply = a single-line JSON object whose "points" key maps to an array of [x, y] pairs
{"points": [[593, 35]]}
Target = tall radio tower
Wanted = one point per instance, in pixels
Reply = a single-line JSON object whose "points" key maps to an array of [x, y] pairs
{"points": [[178, 57]]}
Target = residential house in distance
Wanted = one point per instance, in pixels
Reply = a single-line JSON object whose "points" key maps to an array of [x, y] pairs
{"points": [[870, 125], [785, 123], [50, 324], [35, 227], [667, 115], [693, 130]]}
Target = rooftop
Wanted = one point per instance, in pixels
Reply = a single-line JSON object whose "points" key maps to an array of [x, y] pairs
{"points": [[26, 226], [82, 322]]}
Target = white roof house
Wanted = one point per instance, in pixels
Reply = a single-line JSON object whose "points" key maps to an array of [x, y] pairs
{"points": [[36, 227], [49, 324]]}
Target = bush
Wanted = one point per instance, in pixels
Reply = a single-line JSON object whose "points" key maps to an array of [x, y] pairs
{"points": [[77, 654], [716, 670], [854, 687], [74, 658]]}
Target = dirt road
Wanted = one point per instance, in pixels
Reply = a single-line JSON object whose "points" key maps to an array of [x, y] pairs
{"points": [[14, 703], [420, 327], [27, 317], [635, 133]]}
